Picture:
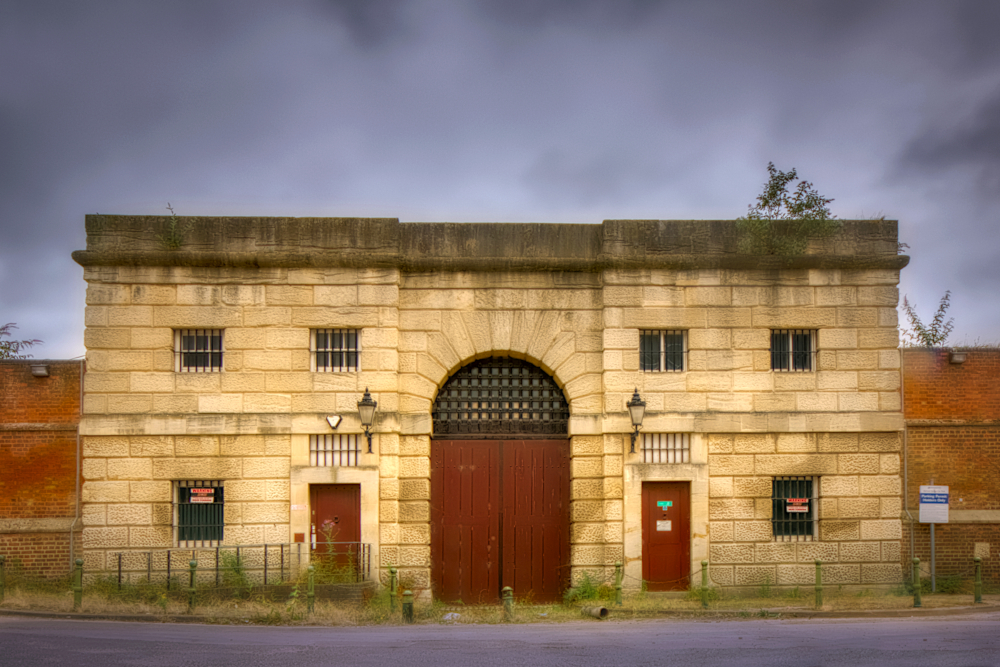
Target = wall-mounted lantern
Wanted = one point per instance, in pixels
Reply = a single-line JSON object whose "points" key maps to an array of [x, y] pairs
{"points": [[366, 408], [957, 356], [637, 410], [40, 370]]}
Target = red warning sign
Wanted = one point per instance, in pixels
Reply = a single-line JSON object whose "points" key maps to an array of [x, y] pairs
{"points": [[796, 504]]}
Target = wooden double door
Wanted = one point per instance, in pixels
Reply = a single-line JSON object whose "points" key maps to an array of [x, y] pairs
{"points": [[499, 517]]}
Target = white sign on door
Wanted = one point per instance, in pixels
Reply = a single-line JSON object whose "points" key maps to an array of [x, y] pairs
{"points": [[663, 526]]}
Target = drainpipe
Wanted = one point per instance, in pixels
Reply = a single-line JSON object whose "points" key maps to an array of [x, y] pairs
{"points": [[76, 515], [906, 460]]}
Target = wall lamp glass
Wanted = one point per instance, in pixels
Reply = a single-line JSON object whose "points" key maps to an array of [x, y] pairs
{"points": [[637, 410], [366, 408]]}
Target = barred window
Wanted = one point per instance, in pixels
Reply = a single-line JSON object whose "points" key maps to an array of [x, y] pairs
{"points": [[199, 515], [336, 350], [666, 448], [198, 350], [793, 509], [662, 350], [793, 350], [335, 449]]}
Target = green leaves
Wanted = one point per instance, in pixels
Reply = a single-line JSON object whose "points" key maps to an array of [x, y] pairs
{"points": [[782, 223], [931, 335], [11, 349]]}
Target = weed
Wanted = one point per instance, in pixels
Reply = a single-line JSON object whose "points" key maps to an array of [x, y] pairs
{"points": [[234, 574], [173, 237], [764, 591], [588, 589]]}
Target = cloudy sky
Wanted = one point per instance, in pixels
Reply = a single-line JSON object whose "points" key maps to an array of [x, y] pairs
{"points": [[505, 110]]}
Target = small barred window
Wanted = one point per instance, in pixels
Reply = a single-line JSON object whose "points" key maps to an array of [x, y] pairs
{"points": [[662, 350], [337, 449], [199, 513], [336, 350], [793, 350], [666, 448], [198, 350], [793, 509]]}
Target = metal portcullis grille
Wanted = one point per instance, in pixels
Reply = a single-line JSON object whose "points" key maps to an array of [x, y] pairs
{"points": [[793, 350], [662, 350], [198, 350], [793, 509], [337, 449], [500, 396], [666, 448], [200, 512], [336, 350]]}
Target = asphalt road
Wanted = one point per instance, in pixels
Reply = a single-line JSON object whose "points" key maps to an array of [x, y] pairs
{"points": [[964, 641]]}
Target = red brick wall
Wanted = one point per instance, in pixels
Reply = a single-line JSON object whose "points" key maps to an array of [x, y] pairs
{"points": [[952, 413], [38, 418]]}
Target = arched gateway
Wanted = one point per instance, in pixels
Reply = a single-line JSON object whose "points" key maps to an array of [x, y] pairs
{"points": [[500, 483]]}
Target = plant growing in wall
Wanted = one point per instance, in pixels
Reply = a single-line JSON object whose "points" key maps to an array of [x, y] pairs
{"points": [[173, 237], [930, 335], [781, 223], [11, 349]]}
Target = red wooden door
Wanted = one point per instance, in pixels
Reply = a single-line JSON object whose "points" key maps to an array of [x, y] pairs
{"points": [[465, 520], [535, 510], [499, 517], [666, 535], [336, 523]]}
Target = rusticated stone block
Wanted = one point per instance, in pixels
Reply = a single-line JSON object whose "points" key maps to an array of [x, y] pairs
{"points": [[720, 531], [414, 489], [762, 508], [753, 443], [720, 487], [809, 552], [590, 466], [882, 529], [796, 575], [869, 552], [881, 573], [795, 464], [863, 464], [796, 442], [891, 508], [841, 574], [581, 554], [755, 575], [590, 488], [881, 485], [388, 511], [414, 466], [752, 531], [839, 530], [587, 445], [829, 508], [774, 552], [388, 533], [731, 508], [265, 512], [414, 556], [755, 487], [613, 510], [388, 489], [105, 492], [150, 536], [582, 533], [414, 511], [879, 442], [275, 466], [838, 486], [388, 556], [731, 553], [837, 442], [721, 575], [720, 444], [891, 552], [414, 578], [587, 510], [858, 508], [730, 465]]}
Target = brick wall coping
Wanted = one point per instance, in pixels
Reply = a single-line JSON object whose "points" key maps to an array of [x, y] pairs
{"points": [[16, 526], [118, 240]]}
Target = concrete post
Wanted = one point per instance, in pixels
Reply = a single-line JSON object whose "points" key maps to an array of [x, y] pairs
{"points": [[393, 588], [979, 580], [618, 583], [191, 585], [408, 606], [311, 592], [819, 584], [916, 583], [508, 603], [78, 585], [704, 584]]}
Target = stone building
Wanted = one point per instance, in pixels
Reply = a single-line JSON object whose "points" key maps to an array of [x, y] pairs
{"points": [[501, 357]]}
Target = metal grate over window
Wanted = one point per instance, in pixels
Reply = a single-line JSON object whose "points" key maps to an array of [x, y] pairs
{"points": [[662, 350], [198, 350], [793, 349], [200, 517], [500, 396], [666, 448], [336, 350], [793, 509], [334, 449]]}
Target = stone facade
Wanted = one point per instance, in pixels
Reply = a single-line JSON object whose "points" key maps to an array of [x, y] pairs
{"points": [[428, 299]]}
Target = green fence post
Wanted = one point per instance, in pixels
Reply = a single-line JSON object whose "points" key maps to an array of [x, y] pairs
{"points": [[618, 583], [78, 585], [191, 585], [408, 606], [507, 593], [704, 584], [393, 588], [3, 576], [311, 594], [916, 583], [979, 580]]}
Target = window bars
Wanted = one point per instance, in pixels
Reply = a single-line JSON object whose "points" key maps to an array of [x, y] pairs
{"points": [[666, 448], [335, 449], [199, 513], [662, 350], [793, 509], [793, 350], [198, 350], [336, 350]]}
